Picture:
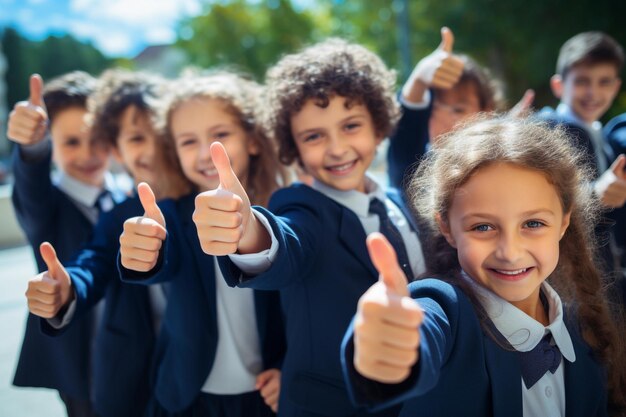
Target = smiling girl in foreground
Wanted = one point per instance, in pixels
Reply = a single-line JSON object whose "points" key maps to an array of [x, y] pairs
{"points": [[509, 212]]}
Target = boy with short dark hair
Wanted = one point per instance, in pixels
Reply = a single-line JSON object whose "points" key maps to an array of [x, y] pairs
{"points": [[62, 212], [586, 82]]}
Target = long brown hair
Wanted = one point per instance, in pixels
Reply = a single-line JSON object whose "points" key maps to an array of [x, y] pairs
{"points": [[533, 145], [242, 98]]}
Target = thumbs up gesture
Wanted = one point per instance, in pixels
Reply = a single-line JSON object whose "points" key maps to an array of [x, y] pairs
{"points": [[386, 329], [611, 186], [28, 120], [441, 69], [223, 216], [143, 236], [49, 291]]}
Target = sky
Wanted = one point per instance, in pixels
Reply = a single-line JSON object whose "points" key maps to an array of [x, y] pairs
{"points": [[119, 28]]}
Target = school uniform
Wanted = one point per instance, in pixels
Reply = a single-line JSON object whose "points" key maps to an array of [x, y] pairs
{"points": [[598, 155], [126, 335], [409, 142], [464, 371], [63, 214], [320, 264], [205, 359]]}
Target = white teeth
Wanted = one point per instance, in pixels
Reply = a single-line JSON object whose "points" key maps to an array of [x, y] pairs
{"points": [[342, 167], [516, 272], [209, 172]]}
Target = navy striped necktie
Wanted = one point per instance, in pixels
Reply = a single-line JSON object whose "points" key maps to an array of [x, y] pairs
{"points": [[391, 232]]}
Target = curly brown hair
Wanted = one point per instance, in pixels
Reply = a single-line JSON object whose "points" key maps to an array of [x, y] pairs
{"points": [[69, 90], [119, 89], [330, 68], [242, 98], [530, 144]]}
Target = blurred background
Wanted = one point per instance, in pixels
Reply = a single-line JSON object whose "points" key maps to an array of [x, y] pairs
{"points": [[518, 40]]}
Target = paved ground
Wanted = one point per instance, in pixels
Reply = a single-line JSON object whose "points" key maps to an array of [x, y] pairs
{"points": [[16, 267]]}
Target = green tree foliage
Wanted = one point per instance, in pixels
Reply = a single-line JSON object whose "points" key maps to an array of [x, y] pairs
{"points": [[247, 36], [51, 57]]}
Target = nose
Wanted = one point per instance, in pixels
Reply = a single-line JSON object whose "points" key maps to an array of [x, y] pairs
{"points": [[204, 153], [510, 247], [337, 146]]}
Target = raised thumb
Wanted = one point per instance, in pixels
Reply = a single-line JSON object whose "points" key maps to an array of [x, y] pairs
{"points": [[386, 262], [36, 91], [49, 256], [447, 40], [148, 202], [617, 167], [228, 179]]}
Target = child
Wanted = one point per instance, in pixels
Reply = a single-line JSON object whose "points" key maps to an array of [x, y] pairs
{"points": [[587, 80], [329, 106], [508, 209], [62, 212], [219, 347], [443, 90], [122, 108]]}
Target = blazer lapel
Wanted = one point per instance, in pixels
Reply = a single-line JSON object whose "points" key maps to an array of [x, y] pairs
{"points": [[505, 376]]}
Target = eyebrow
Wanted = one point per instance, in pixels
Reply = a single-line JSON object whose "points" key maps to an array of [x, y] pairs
{"points": [[528, 213], [359, 115]]}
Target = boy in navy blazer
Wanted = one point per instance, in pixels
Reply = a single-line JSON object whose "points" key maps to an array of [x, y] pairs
{"points": [[62, 212], [125, 340], [329, 107]]}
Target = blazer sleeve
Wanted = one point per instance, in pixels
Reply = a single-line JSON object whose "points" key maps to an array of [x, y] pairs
{"points": [[34, 197], [437, 339], [407, 144], [299, 231]]}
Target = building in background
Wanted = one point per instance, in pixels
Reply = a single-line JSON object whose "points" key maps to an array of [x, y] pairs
{"points": [[166, 60]]}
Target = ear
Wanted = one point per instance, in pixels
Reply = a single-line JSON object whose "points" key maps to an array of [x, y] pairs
{"points": [[556, 85], [566, 219], [618, 85], [444, 227], [253, 146], [379, 139]]}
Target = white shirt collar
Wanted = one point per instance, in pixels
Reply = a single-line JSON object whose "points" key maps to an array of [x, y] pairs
{"points": [[566, 111], [355, 200], [519, 329], [79, 191]]}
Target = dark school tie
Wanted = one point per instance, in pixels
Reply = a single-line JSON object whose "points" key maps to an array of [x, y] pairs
{"points": [[104, 202], [391, 232], [542, 358]]}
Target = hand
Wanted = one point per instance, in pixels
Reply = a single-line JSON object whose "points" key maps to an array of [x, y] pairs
{"points": [[268, 382], [49, 291], [386, 329], [29, 120], [223, 216], [523, 107], [143, 236], [611, 186], [441, 69]]}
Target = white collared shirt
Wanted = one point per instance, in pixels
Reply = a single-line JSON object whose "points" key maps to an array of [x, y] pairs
{"points": [[85, 195], [359, 203], [547, 396]]}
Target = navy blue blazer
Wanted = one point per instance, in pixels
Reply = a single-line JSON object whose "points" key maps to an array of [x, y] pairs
{"points": [[407, 145], [187, 343], [125, 337], [462, 371], [322, 268], [46, 213]]}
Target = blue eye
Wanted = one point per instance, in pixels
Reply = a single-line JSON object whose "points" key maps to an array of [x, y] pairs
{"points": [[221, 135], [482, 228], [533, 224], [312, 137]]}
